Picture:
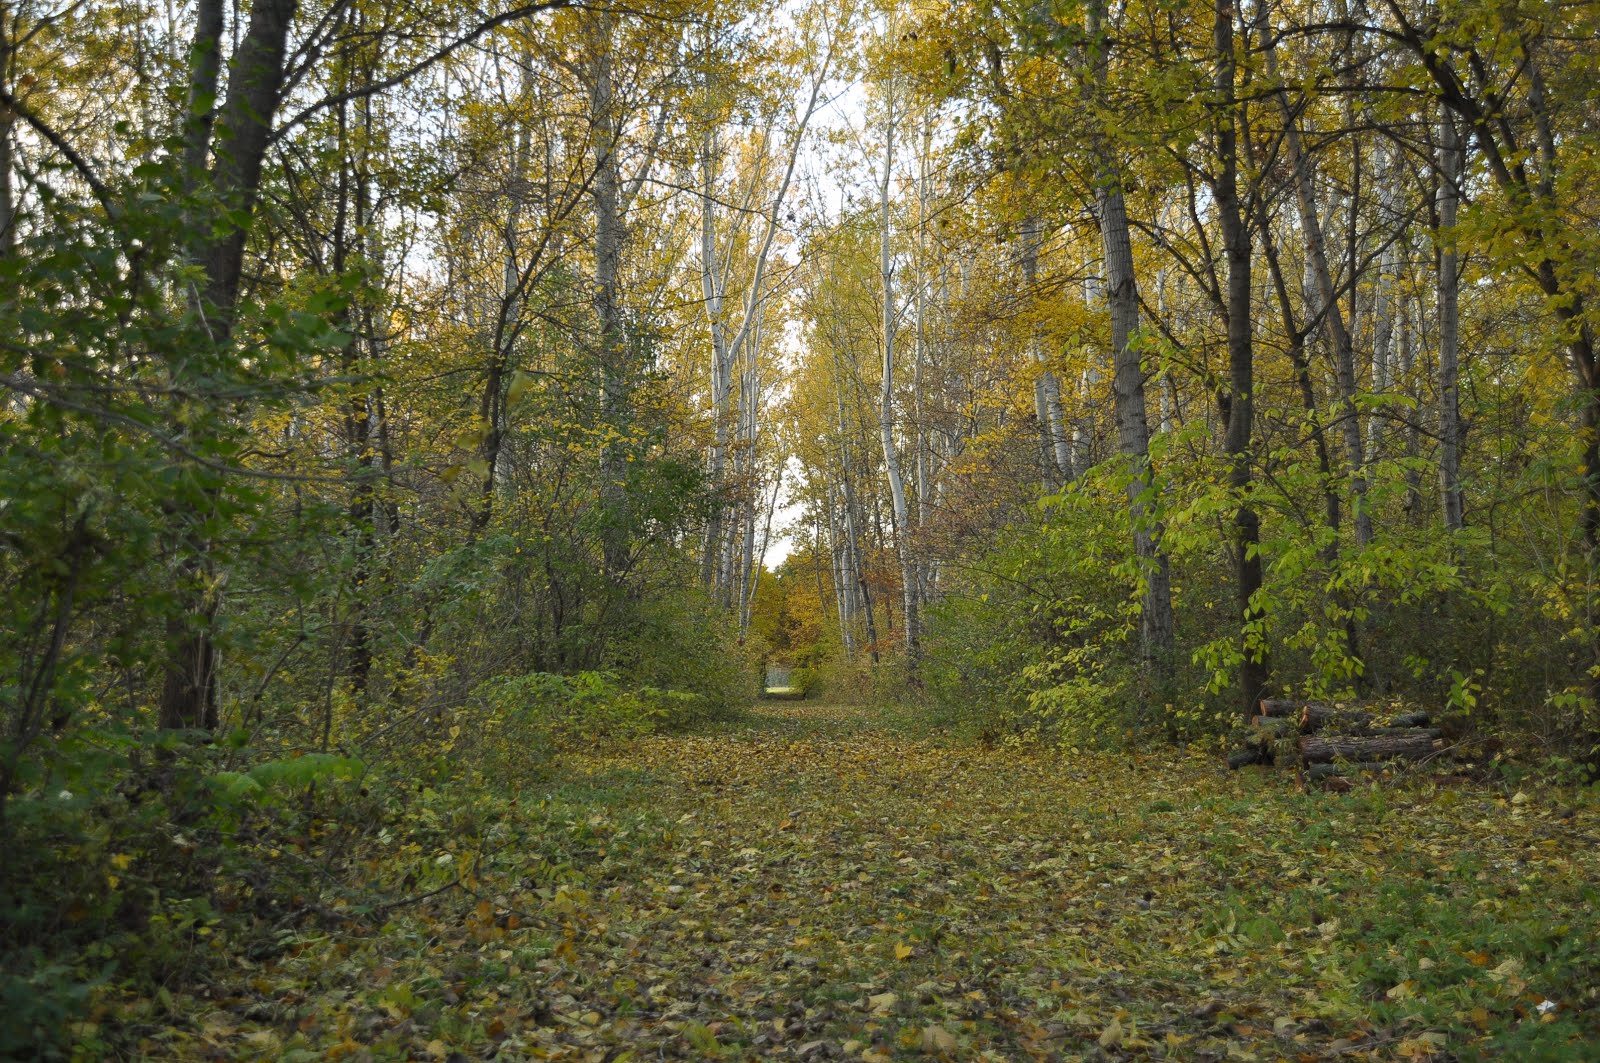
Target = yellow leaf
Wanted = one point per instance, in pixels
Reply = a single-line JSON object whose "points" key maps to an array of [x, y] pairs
{"points": [[1507, 971], [520, 383], [1111, 1036], [936, 1040], [902, 951]]}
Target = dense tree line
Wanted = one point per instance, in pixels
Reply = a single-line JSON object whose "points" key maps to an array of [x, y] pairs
{"points": [[1303, 287]]}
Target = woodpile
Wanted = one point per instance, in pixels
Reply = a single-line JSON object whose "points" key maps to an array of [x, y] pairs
{"points": [[1328, 743]]}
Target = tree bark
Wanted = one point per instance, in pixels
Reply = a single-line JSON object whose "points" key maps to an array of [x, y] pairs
{"points": [[1241, 359], [1088, 391], [721, 369], [1385, 306], [205, 71], [614, 356], [891, 451], [1056, 446], [1133, 429], [1446, 200], [255, 85], [1322, 750], [8, 201]]}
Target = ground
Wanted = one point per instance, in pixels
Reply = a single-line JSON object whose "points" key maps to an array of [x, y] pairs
{"points": [[821, 883]]}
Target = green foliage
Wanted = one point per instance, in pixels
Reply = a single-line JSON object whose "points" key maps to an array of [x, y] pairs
{"points": [[109, 862], [273, 777], [540, 714], [679, 640], [1040, 641]]}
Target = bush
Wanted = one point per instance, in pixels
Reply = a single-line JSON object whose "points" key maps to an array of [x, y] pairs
{"points": [[681, 641], [517, 721], [1038, 640], [111, 851]]}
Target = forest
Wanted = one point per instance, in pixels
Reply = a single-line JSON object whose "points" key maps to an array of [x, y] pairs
{"points": [[800, 529]]}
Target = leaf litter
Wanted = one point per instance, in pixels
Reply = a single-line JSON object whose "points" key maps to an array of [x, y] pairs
{"points": [[814, 883]]}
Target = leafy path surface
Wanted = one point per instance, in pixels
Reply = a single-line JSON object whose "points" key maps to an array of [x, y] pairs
{"points": [[814, 884]]}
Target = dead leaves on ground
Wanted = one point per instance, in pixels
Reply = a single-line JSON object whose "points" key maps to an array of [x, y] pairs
{"points": [[807, 886]]}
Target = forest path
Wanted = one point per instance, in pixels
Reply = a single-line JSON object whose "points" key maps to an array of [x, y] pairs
{"points": [[815, 882], [833, 885]]}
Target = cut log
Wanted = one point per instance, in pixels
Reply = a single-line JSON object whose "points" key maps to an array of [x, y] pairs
{"points": [[1389, 732], [1412, 719], [1319, 772], [1316, 749], [1251, 754], [1314, 718], [1272, 725], [1283, 706]]}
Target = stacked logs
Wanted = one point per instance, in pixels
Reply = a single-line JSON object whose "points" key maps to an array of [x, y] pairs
{"points": [[1331, 741]]}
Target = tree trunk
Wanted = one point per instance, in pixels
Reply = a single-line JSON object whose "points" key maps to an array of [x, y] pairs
{"points": [[1314, 718], [1241, 361], [1055, 445], [616, 375], [8, 201], [1405, 358], [844, 593], [1308, 398], [891, 451], [1127, 387], [1385, 306], [721, 369], [1133, 431], [353, 190], [1088, 392], [852, 515], [1446, 199], [205, 71], [255, 84], [501, 343]]}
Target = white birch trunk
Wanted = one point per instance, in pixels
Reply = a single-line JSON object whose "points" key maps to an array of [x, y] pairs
{"points": [[891, 453], [1133, 428], [1089, 390], [1057, 447]]}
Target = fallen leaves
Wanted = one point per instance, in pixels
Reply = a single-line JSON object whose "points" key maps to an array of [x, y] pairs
{"points": [[810, 886]]}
